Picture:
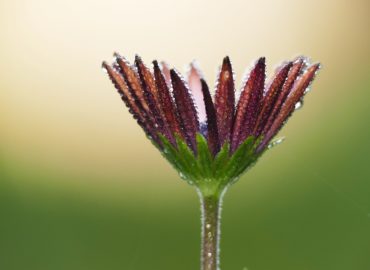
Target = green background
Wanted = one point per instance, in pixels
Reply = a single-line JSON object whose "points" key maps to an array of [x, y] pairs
{"points": [[81, 187]]}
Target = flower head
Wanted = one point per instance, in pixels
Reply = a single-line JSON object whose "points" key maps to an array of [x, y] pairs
{"points": [[210, 141]]}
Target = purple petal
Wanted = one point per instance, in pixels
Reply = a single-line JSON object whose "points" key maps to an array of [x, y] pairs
{"points": [[225, 101], [166, 100], [288, 107], [249, 105], [212, 131], [152, 97], [186, 109], [271, 96], [287, 87], [129, 100]]}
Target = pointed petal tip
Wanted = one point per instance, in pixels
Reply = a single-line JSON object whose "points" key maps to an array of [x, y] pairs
{"points": [[138, 59], [104, 64], [227, 61], [194, 70], [317, 65], [164, 63], [314, 68], [260, 63], [299, 58], [176, 74], [117, 55], [194, 63]]}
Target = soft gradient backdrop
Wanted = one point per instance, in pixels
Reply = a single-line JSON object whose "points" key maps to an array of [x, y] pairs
{"points": [[81, 187]]}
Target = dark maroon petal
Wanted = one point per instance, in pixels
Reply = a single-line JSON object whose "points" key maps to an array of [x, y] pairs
{"points": [[287, 109], [152, 98], [271, 96], [212, 131], [249, 105], [166, 73], [225, 101], [133, 82], [195, 87], [166, 101], [287, 87], [126, 96], [186, 109]]}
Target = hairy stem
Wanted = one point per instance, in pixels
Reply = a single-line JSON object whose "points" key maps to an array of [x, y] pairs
{"points": [[211, 213]]}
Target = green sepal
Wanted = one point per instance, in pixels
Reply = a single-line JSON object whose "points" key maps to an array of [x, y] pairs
{"points": [[204, 158], [221, 159], [202, 168]]}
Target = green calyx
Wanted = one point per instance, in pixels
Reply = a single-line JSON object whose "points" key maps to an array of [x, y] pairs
{"points": [[211, 175]]}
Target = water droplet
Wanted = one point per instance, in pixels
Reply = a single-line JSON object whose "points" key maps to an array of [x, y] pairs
{"points": [[104, 69], [276, 142], [298, 105], [190, 182]]}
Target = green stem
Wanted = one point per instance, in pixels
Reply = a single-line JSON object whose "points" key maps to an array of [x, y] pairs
{"points": [[211, 221]]}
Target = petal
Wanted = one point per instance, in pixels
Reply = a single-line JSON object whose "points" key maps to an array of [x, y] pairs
{"points": [[133, 82], [185, 108], [249, 105], [126, 96], [152, 97], [288, 107], [212, 131], [271, 96], [166, 72], [287, 87], [166, 100], [195, 86], [225, 101]]}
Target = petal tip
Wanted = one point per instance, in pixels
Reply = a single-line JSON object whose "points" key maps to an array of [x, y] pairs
{"points": [[226, 61]]}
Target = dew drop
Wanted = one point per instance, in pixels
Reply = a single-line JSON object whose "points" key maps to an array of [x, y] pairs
{"points": [[275, 142], [190, 182], [298, 105], [183, 176], [308, 89], [104, 69]]}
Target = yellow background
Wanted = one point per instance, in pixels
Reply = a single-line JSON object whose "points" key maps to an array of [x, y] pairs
{"points": [[81, 187]]}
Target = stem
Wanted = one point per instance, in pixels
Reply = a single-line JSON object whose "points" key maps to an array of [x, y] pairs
{"points": [[211, 214]]}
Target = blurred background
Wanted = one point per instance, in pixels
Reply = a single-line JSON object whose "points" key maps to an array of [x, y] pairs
{"points": [[82, 188]]}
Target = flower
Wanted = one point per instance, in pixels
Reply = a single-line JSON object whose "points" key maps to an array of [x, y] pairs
{"points": [[210, 142]]}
